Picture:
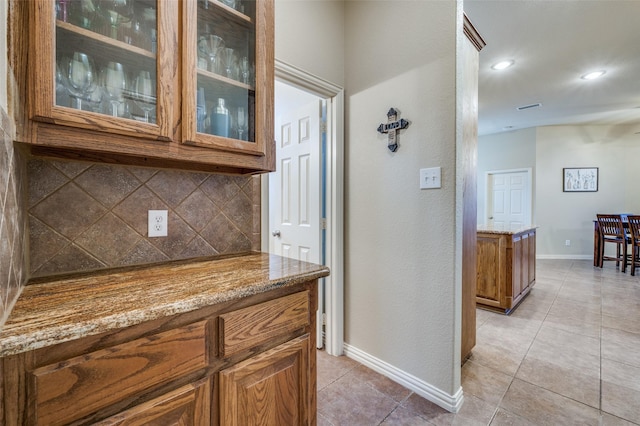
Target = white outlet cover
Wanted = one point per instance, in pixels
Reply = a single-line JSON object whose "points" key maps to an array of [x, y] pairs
{"points": [[158, 223]]}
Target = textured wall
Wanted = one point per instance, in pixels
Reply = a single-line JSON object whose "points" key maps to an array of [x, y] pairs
{"points": [[12, 229], [399, 240], [85, 216]]}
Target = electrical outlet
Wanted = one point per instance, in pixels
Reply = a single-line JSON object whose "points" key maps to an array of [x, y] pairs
{"points": [[158, 226], [430, 178], [567, 243]]}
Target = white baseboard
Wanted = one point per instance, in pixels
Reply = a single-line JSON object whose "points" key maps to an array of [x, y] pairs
{"points": [[450, 403], [565, 256]]}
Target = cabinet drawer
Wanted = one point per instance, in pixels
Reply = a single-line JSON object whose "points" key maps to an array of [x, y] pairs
{"points": [[249, 327], [72, 389]]}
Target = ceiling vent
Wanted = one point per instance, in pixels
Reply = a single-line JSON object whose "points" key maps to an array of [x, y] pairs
{"points": [[522, 108]]}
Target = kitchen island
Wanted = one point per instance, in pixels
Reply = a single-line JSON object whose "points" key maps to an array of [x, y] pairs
{"points": [[195, 341], [506, 267]]}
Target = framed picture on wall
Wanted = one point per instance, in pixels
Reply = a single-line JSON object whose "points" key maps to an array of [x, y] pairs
{"points": [[580, 179]]}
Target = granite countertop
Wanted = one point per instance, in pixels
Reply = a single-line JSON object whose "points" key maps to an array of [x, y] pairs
{"points": [[486, 229], [67, 308]]}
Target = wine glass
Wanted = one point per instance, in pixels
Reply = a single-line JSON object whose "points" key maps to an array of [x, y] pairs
{"points": [[117, 13], [245, 70], [144, 93], [80, 77], [114, 83], [241, 122], [228, 58], [210, 45]]}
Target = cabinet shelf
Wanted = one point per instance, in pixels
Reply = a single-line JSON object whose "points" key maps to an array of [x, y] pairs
{"points": [[79, 36], [230, 13], [210, 78]]}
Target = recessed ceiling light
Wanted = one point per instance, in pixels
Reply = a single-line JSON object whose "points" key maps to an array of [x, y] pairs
{"points": [[502, 65], [593, 75]]}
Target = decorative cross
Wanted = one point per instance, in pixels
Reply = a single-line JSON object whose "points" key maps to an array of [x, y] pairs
{"points": [[391, 128]]}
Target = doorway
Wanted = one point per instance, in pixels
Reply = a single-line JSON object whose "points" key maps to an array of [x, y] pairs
{"points": [[296, 89], [509, 199]]}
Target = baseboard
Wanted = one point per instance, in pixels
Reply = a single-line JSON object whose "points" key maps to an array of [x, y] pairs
{"points": [[565, 256], [450, 403]]}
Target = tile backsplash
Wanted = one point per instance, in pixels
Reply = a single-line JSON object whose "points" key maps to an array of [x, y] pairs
{"points": [[86, 216], [13, 235]]}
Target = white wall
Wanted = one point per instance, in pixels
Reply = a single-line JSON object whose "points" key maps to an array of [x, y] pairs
{"points": [[400, 240], [569, 216], [400, 284], [310, 35], [504, 151], [560, 215]]}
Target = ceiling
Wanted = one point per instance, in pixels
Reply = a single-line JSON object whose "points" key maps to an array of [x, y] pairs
{"points": [[553, 43]]}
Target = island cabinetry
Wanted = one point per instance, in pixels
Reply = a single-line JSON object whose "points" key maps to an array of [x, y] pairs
{"points": [[159, 83], [505, 268], [246, 361]]}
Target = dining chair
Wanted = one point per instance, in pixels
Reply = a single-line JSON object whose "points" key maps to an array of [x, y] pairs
{"points": [[612, 231], [634, 229]]}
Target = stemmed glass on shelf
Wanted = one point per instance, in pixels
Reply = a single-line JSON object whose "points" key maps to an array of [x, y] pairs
{"points": [[114, 82], [117, 12], [144, 93], [209, 45], [81, 78], [241, 122]]}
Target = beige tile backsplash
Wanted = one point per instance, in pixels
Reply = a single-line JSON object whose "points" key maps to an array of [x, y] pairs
{"points": [[86, 216]]}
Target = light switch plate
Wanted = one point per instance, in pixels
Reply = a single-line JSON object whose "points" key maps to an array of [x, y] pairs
{"points": [[430, 178], [158, 226]]}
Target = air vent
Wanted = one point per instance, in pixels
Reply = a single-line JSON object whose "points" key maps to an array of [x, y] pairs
{"points": [[522, 108]]}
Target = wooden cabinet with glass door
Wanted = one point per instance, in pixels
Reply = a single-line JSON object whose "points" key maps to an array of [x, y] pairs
{"points": [[119, 81], [228, 68], [97, 66]]}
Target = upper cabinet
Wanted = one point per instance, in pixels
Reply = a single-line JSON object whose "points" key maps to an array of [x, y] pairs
{"points": [[228, 68], [165, 83]]}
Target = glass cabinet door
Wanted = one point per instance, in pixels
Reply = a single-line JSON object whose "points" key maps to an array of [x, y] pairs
{"points": [[228, 74], [99, 65]]}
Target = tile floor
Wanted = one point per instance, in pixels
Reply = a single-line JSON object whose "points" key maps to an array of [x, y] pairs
{"points": [[568, 355]]}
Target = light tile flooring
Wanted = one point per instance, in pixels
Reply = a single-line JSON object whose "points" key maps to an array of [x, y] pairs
{"points": [[568, 355]]}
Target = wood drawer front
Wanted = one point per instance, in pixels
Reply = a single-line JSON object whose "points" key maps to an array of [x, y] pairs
{"points": [[74, 388], [248, 327]]}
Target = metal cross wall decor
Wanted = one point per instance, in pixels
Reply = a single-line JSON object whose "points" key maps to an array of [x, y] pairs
{"points": [[391, 127]]}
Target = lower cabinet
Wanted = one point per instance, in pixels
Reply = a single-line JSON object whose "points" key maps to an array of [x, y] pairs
{"points": [[188, 405], [248, 361], [505, 268], [269, 389]]}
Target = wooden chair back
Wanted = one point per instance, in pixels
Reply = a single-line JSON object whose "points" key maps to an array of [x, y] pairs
{"points": [[611, 227], [634, 231]]}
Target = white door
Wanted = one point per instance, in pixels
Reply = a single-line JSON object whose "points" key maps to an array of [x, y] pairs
{"points": [[294, 188], [508, 199]]}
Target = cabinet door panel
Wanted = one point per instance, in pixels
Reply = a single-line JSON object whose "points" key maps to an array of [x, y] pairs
{"points": [[228, 63], [102, 69], [490, 270], [269, 389], [188, 405]]}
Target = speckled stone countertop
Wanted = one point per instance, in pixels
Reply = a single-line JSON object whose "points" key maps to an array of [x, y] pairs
{"points": [[497, 230], [68, 308]]}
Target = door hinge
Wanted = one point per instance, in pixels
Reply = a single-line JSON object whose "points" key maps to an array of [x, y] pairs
{"points": [[323, 223], [323, 126]]}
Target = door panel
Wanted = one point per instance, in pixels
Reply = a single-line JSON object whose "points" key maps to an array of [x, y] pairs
{"points": [[295, 220], [509, 200]]}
